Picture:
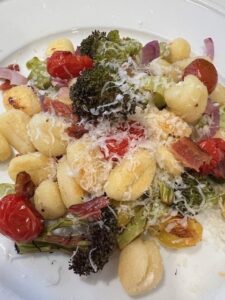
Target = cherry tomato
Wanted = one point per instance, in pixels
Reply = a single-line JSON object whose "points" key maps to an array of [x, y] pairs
{"points": [[18, 219], [216, 148], [66, 65], [176, 233], [119, 147], [205, 71]]}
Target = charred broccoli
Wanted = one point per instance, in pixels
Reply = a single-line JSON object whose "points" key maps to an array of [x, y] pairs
{"points": [[89, 46], [101, 92], [102, 239], [110, 47]]}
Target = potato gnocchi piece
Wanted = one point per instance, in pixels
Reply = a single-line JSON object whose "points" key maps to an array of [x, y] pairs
{"points": [[47, 133], [140, 267], [13, 126], [37, 165], [89, 167], [5, 149], [23, 98], [218, 95], [179, 49], [70, 190], [131, 177], [167, 161], [61, 44], [48, 201], [187, 99]]}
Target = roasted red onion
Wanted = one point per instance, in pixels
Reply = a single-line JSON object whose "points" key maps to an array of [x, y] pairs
{"points": [[150, 51], [209, 47], [14, 77]]}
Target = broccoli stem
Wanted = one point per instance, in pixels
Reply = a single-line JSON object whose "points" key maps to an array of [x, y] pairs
{"points": [[49, 242]]}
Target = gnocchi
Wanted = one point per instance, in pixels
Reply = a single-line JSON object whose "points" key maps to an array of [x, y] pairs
{"points": [[70, 190], [48, 201], [187, 99], [218, 95], [131, 177], [88, 166], [61, 44], [37, 165], [48, 135], [179, 49], [13, 126], [23, 98], [5, 149], [140, 267]]}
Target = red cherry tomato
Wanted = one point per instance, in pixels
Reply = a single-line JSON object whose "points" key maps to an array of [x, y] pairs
{"points": [[216, 148], [205, 71], [119, 147], [18, 219], [66, 65], [116, 147]]}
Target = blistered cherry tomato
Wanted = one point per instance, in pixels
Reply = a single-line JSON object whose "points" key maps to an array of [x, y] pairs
{"points": [[119, 147], [176, 233], [66, 65], [215, 147], [18, 219], [205, 71]]}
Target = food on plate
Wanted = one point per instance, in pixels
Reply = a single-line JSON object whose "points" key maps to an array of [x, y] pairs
{"points": [[17, 136], [5, 149], [117, 145], [146, 269]]}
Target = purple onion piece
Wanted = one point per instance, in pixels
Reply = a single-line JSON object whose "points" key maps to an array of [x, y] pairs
{"points": [[209, 47], [14, 77], [150, 51]]}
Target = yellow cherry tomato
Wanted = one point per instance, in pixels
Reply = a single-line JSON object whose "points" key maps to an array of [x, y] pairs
{"points": [[176, 233]]}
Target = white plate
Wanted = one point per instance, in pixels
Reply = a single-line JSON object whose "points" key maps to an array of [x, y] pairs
{"points": [[26, 26]]}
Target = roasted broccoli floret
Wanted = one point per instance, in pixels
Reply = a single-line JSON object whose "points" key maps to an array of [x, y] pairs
{"points": [[111, 47], [193, 194], [101, 92], [90, 45], [102, 241]]}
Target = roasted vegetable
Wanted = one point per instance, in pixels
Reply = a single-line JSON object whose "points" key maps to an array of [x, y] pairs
{"points": [[178, 232], [133, 229], [90, 241], [194, 194], [102, 47], [38, 73], [102, 239], [101, 92]]}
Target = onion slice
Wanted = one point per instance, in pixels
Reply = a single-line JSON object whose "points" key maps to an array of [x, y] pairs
{"points": [[13, 76], [150, 51], [209, 47]]}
